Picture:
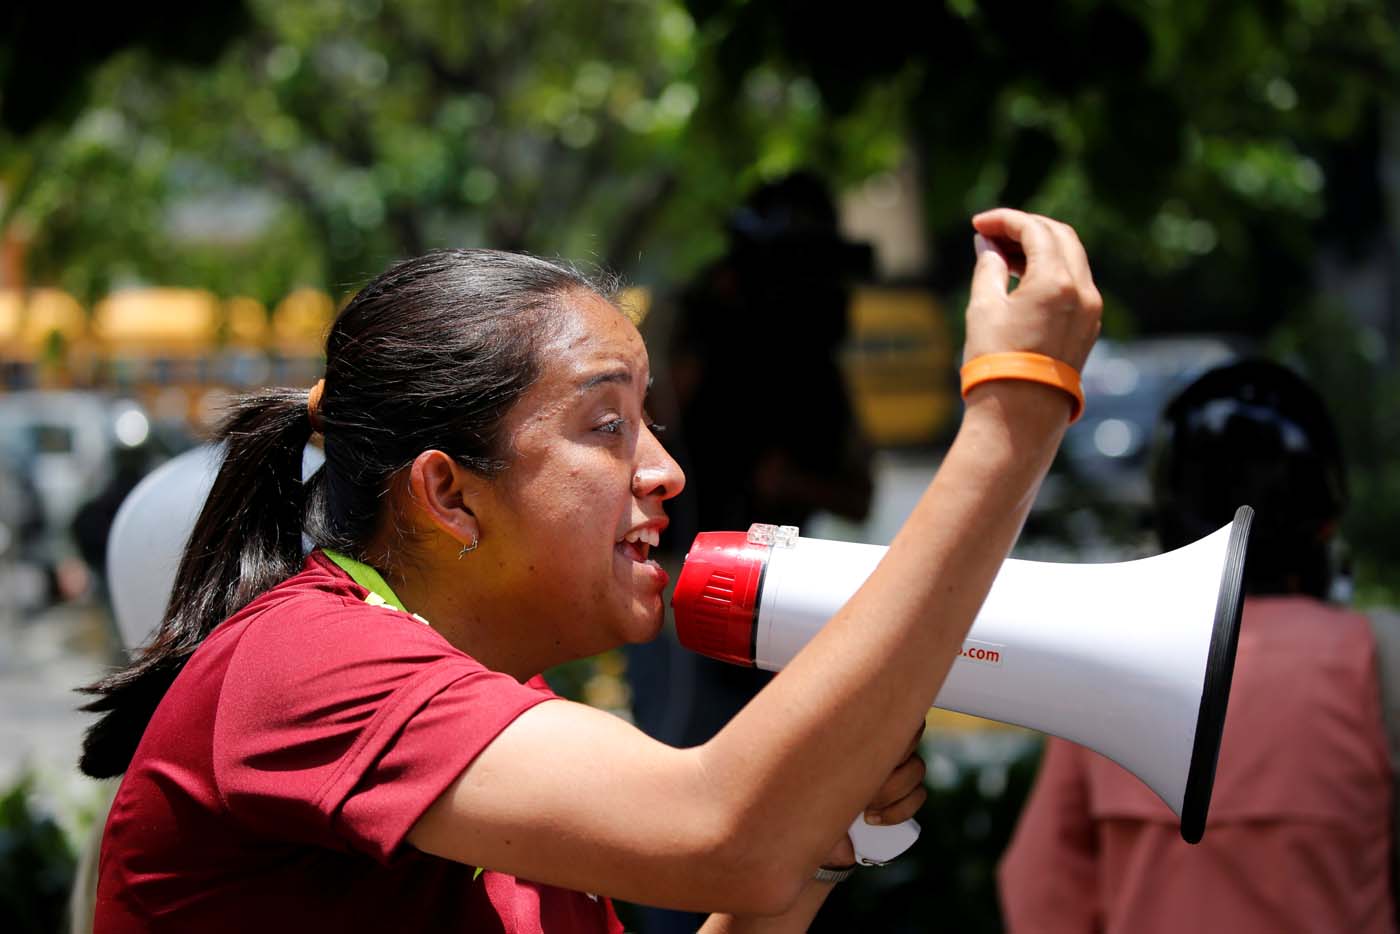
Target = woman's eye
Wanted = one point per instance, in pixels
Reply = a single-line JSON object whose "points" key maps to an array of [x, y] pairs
{"points": [[615, 426], [652, 425]]}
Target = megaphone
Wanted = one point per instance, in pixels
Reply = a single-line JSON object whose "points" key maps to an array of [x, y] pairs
{"points": [[1132, 660]]}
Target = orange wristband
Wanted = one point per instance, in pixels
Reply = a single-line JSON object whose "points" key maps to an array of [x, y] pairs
{"points": [[1034, 367]]}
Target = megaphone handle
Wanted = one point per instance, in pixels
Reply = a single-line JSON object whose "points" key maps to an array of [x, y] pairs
{"points": [[876, 845]]}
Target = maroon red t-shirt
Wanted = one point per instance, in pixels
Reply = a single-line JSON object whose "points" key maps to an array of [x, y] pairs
{"points": [[277, 780]]}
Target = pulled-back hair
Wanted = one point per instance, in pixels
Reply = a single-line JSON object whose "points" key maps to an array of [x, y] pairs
{"points": [[430, 355]]}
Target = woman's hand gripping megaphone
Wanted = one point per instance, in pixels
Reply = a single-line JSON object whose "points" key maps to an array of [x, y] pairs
{"points": [[887, 827]]}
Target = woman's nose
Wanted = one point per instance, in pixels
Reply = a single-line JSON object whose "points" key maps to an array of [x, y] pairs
{"points": [[657, 472]]}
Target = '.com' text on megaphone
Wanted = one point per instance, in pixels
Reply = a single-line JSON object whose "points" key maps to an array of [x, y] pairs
{"points": [[1132, 660]]}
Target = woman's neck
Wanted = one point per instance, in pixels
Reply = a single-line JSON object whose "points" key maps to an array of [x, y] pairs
{"points": [[460, 604], [461, 596]]}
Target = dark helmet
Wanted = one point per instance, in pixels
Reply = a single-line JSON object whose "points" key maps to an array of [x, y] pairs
{"points": [[1253, 433]]}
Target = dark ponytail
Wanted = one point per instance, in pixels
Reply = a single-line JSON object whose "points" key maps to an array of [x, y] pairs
{"points": [[430, 355], [247, 538]]}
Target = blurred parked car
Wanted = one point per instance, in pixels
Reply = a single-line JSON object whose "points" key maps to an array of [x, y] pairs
{"points": [[1103, 466], [63, 441], [24, 582], [60, 451]]}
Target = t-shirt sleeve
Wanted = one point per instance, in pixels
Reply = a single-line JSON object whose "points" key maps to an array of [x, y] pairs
{"points": [[340, 723]]}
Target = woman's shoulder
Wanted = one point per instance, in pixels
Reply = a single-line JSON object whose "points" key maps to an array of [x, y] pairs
{"points": [[319, 634], [312, 666], [322, 606], [320, 581]]}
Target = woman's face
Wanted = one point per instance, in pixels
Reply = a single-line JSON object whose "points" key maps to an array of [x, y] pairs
{"points": [[572, 520]]}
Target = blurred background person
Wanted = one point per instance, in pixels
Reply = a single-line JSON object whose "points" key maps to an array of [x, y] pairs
{"points": [[1298, 836], [758, 333], [756, 404], [759, 416]]}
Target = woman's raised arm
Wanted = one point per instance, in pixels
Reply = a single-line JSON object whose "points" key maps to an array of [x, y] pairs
{"points": [[575, 797]]}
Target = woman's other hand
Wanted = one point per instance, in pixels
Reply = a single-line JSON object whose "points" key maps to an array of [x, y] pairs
{"points": [[898, 798]]}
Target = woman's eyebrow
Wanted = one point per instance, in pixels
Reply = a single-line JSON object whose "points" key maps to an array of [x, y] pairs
{"points": [[620, 375]]}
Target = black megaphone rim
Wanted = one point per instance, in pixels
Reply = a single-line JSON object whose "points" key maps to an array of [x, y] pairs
{"points": [[1220, 670]]}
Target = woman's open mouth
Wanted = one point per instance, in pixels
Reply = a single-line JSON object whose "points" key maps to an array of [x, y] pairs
{"points": [[636, 547]]}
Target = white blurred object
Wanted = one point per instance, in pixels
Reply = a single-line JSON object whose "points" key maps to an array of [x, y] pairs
{"points": [[149, 534], [132, 427]]}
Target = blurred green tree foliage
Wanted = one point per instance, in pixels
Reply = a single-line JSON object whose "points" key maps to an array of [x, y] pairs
{"points": [[1208, 153], [49, 51], [37, 863], [1204, 151], [334, 135]]}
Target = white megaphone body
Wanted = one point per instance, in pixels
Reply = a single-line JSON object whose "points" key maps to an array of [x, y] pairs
{"points": [[1132, 660]]}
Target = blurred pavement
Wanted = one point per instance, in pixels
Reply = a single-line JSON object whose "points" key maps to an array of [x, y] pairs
{"points": [[43, 657]]}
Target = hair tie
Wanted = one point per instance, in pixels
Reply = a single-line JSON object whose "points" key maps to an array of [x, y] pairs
{"points": [[313, 406]]}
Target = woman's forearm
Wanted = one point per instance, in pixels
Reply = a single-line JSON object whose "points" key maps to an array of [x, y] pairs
{"points": [[795, 920], [802, 757], [840, 711]]}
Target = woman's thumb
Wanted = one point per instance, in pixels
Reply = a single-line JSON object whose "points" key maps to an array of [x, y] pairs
{"points": [[991, 276]]}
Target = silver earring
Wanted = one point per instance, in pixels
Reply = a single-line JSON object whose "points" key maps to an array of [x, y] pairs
{"points": [[468, 549]]}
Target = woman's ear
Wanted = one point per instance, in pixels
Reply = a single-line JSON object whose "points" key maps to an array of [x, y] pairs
{"points": [[444, 491]]}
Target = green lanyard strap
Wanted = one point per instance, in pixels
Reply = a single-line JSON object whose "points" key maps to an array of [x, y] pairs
{"points": [[367, 577]]}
